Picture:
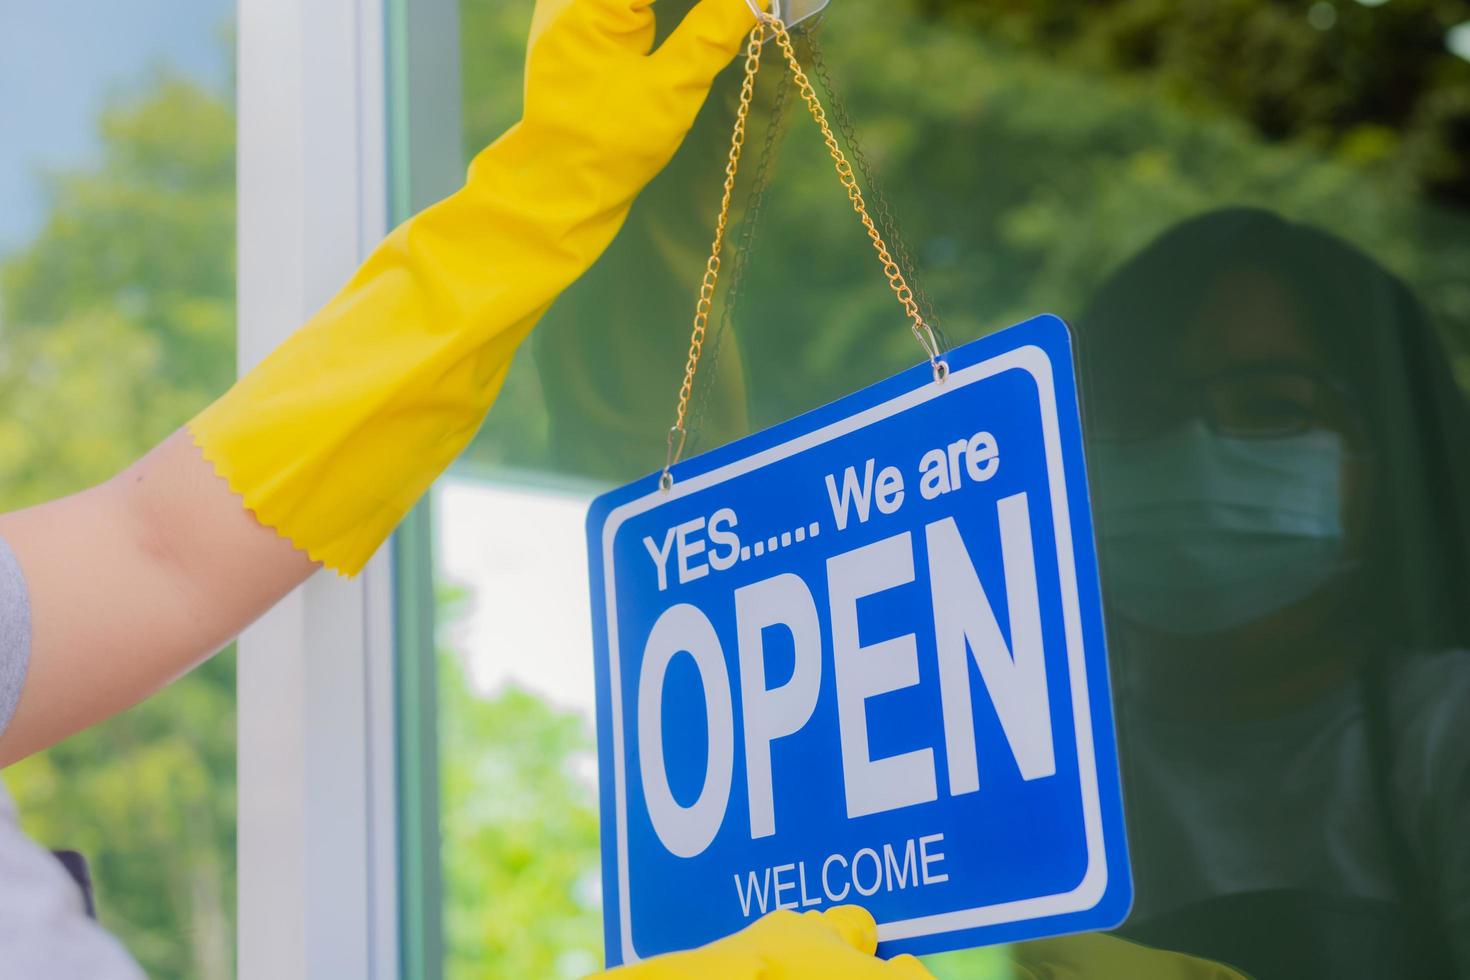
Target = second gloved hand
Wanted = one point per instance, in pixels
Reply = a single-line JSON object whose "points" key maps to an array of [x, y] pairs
{"points": [[834, 944], [339, 431]]}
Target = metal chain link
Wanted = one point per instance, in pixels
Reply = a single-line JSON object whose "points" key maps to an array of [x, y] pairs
{"points": [[745, 239], [882, 211], [711, 278], [750, 223], [922, 332], [921, 329]]}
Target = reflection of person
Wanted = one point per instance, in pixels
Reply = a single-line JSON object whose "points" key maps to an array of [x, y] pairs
{"points": [[107, 595], [1281, 466]]}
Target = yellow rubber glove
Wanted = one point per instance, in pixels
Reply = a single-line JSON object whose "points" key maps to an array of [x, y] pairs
{"points": [[338, 432], [835, 944]]}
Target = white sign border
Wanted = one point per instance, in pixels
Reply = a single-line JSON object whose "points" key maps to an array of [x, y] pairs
{"points": [[1090, 890]]}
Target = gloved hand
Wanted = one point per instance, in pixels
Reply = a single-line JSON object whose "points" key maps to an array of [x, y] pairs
{"points": [[835, 944], [339, 431]]}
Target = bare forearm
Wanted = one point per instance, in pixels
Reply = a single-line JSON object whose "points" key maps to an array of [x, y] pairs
{"points": [[131, 584], [332, 438]]}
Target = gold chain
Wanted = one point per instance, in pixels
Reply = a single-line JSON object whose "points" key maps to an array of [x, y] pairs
{"points": [[923, 333], [712, 268]]}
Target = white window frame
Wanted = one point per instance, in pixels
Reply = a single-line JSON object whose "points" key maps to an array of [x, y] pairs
{"points": [[318, 847]]}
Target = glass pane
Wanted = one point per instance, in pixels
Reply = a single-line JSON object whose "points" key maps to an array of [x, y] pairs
{"points": [[117, 302], [517, 763], [1255, 218]]}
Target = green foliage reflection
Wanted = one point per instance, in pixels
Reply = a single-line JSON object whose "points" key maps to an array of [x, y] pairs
{"points": [[1029, 149], [520, 832], [1023, 177]]}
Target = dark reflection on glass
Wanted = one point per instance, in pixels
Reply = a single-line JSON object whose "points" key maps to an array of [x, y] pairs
{"points": [[1278, 450], [1280, 461]]}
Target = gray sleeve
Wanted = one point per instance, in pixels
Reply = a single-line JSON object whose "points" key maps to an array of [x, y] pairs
{"points": [[44, 927], [15, 633]]}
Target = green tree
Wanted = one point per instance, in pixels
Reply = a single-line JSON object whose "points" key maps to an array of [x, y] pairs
{"points": [[1027, 155], [1368, 82], [118, 317], [116, 324], [519, 832]]}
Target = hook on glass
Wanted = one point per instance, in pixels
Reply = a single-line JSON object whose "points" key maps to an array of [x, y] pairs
{"points": [[789, 12]]}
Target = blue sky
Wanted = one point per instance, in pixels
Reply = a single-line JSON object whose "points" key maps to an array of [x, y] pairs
{"points": [[61, 61]]}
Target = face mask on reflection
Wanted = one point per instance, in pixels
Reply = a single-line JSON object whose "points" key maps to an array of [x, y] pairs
{"points": [[1203, 532]]}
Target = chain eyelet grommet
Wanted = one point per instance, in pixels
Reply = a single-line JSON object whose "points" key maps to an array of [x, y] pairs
{"points": [[677, 435], [941, 371]]}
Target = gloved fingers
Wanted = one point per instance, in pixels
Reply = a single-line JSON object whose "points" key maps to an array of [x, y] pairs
{"points": [[907, 967], [853, 924], [857, 928], [706, 40], [623, 24]]}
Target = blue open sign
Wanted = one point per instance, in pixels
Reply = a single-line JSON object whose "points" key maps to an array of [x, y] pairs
{"points": [[859, 657]]}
